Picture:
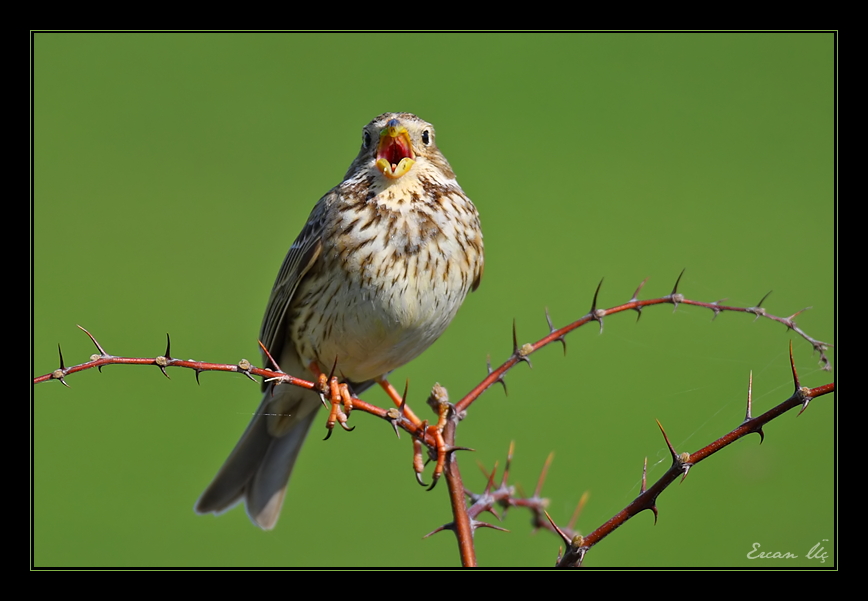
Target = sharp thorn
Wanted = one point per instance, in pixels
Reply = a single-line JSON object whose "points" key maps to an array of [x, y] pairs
{"points": [[677, 281], [674, 297], [197, 376], [448, 526], [392, 416], [747, 415], [404, 396], [487, 525], [583, 500], [543, 474], [790, 322], [596, 295], [597, 315], [552, 330], [793, 366], [717, 310], [636, 294], [563, 535], [270, 358], [168, 355], [668, 444], [489, 484], [92, 339], [514, 338], [645, 475], [60, 353], [763, 299], [509, 455]]}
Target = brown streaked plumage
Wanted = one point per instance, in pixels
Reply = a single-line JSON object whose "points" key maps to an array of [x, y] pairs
{"points": [[375, 276]]}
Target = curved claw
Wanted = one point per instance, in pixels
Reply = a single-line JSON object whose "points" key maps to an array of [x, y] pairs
{"points": [[334, 367], [418, 461]]}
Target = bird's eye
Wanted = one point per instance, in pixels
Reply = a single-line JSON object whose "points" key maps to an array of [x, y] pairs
{"points": [[366, 139], [426, 138]]}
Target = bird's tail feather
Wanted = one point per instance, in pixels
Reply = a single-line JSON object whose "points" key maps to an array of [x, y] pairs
{"points": [[259, 466]]}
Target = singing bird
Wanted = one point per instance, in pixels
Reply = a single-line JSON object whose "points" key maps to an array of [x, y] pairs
{"points": [[373, 279]]}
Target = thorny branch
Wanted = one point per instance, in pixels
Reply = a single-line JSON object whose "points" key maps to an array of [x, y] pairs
{"points": [[577, 546], [443, 437], [519, 354], [98, 360], [523, 352]]}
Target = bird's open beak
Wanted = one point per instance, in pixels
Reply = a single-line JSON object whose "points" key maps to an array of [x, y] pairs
{"points": [[395, 152]]}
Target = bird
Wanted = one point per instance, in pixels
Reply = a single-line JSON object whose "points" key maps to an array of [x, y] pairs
{"points": [[375, 276]]}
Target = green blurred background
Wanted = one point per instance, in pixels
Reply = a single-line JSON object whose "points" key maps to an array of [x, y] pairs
{"points": [[172, 171]]}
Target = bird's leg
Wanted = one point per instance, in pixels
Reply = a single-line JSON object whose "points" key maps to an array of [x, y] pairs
{"points": [[440, 444], [436, 432], [338, 394], [398, 400]]}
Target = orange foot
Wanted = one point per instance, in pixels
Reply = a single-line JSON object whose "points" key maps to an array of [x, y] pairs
{"points": [[423, 429], [338, 395], [439, 444]]}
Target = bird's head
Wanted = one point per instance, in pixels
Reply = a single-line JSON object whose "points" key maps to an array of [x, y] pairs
{"points": [[395, 144]]}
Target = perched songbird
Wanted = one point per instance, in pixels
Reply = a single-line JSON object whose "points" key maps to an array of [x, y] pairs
{"points": [[375, 276]]}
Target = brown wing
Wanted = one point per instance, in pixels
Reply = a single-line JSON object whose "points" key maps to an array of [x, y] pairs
{"points": [[301, 256], [478, 279]]}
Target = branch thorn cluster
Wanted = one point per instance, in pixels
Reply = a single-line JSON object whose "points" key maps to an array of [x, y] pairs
{"points": [[552, 329]]}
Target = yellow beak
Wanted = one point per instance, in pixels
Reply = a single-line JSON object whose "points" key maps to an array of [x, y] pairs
{"points": [[395, 154]]}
